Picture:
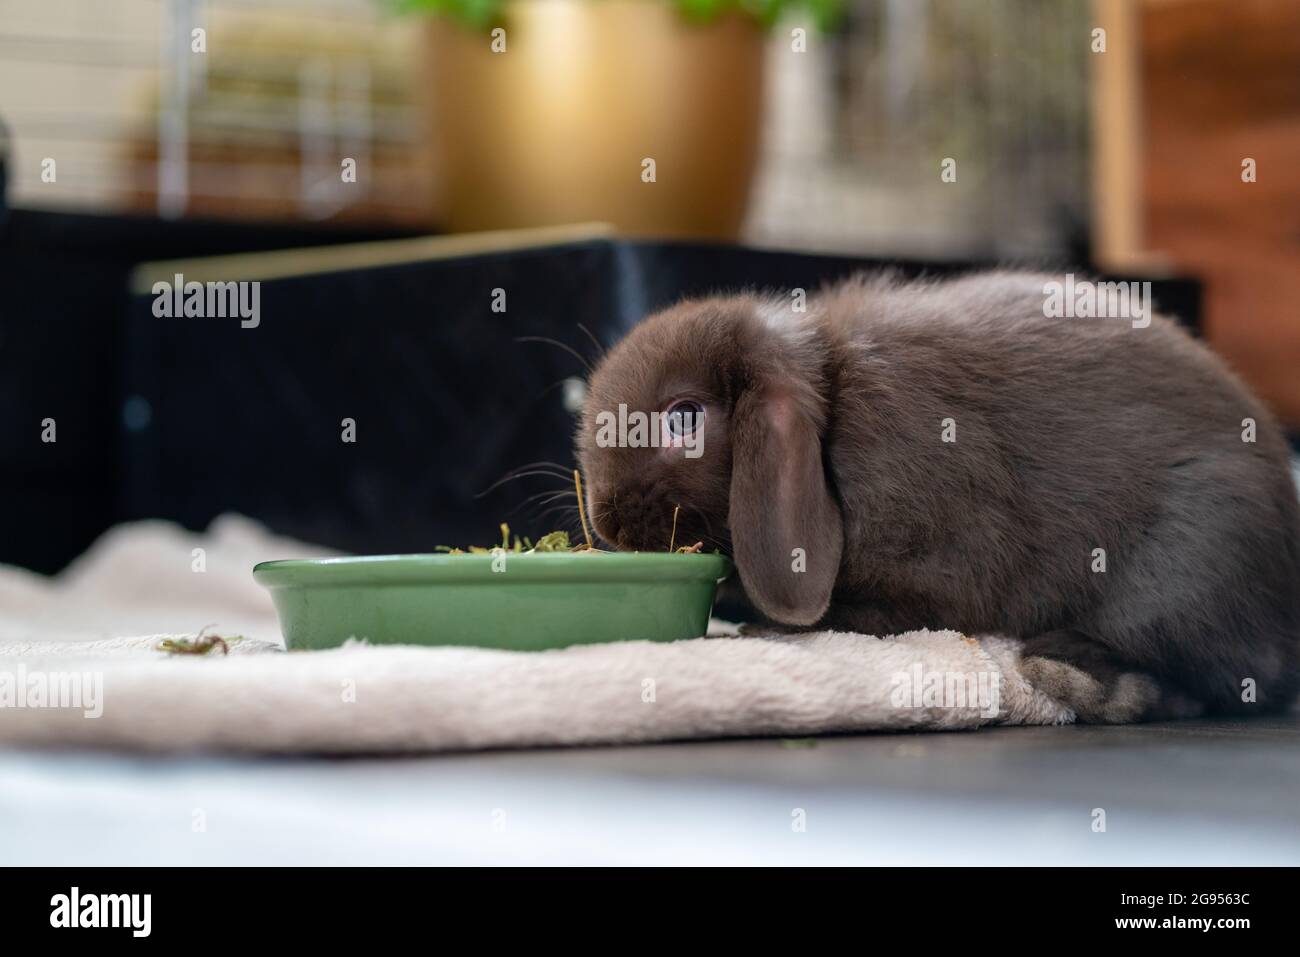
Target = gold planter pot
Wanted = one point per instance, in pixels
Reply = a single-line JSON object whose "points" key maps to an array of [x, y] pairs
{"points": [[557, 128]]}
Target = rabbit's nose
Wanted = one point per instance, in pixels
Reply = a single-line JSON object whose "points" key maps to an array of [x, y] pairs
{"points": [[617, 532], [607, 525]]}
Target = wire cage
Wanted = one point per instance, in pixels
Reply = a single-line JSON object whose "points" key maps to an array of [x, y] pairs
{"points": [[227, 108], [993, 93]]}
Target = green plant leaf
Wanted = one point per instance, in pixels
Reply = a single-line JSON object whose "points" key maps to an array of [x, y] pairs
{"points": [[826, 14]]}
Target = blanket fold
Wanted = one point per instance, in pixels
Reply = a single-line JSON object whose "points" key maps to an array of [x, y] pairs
{"points": [[72, 674]]}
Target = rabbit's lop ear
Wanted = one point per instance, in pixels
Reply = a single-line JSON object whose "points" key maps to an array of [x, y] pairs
{"points": [[786, 529]]}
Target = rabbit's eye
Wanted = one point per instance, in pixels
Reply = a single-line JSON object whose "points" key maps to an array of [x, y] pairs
{"points": [[683, 418]]}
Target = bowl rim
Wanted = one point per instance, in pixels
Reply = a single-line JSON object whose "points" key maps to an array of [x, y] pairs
{"points": [[441, 568]]}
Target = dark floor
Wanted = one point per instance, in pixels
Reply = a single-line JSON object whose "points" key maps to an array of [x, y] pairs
{"points": [[1204, 792]]}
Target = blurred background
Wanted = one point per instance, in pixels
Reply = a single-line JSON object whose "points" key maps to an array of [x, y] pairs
{"points": [[1150, 138], [832, 147]]}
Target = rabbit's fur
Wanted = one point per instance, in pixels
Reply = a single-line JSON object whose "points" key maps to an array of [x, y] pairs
{"points": [[910, 454]]}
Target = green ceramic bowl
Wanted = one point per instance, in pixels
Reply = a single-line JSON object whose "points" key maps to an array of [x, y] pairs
{"points": [[531, 601]]}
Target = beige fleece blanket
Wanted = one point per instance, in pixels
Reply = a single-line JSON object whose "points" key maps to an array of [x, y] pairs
{"points": [[79, 666]]}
